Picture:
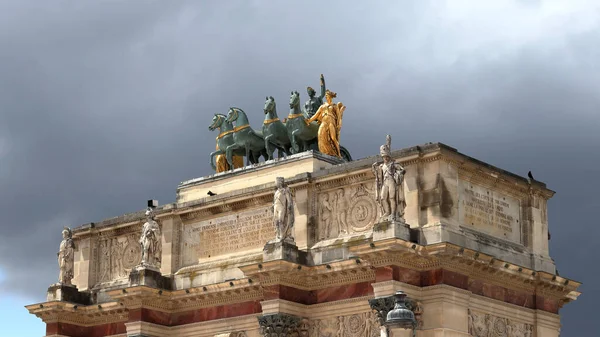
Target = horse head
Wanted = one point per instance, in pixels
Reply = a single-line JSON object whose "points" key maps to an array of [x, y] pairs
{"points": [[294, 99], [269, 105], [232, 115], [217, 121]]}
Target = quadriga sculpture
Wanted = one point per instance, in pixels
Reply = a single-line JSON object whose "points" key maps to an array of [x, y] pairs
{"points": [[302, 135], [245, 139], [224, 139], [274, 131]]}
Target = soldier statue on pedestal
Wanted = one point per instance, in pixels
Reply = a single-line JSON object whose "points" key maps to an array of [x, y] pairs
{"points": [[389, 177]]}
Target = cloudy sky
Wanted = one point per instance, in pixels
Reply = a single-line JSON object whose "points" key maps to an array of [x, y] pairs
{"points": [[105, 104]]}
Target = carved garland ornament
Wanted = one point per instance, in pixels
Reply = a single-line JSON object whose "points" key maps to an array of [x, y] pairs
{"points": [[487, 325], [357, 325]]}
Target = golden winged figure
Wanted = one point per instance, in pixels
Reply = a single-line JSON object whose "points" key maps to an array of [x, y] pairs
{"points": [[329, 116]]}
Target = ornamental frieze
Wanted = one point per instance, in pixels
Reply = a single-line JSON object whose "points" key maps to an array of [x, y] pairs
{"points": [[487, 325]]}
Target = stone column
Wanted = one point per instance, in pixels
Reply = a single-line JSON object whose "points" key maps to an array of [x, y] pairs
{"points": [[282, 325]]}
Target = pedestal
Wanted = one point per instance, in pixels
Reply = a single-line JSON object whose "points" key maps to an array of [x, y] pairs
{"points": [[67, 293], [389, 229], [283, 250], [148, 276]]}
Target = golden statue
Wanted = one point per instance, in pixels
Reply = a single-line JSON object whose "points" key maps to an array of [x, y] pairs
{"points": [[329, 117]]}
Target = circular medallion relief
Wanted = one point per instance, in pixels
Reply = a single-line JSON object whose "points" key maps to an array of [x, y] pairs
{"points": [[500, 327], [354, 326], [362, 213], [131, 255]]}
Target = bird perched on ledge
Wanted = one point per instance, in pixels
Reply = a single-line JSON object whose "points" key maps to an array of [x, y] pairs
{"points": [[530, 176], [210, 193]]}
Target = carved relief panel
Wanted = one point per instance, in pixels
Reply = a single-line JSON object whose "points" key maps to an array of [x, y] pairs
{"points": [[116, 256], [486, 325], [357, 325], [346, 210]]}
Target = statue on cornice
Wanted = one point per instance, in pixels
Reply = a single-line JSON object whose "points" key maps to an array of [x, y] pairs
{"points": [[66, 257], [283, 211], [150, 241], [389, 177]]}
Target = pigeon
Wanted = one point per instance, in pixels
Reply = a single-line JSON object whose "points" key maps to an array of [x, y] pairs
{"points": [[210, 193]]}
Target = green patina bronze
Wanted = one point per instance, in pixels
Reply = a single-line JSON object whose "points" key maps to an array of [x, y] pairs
{"points": [[293, 135], [274, 131], [245, 139], [303, 137], [314, 102], [225, 127]]}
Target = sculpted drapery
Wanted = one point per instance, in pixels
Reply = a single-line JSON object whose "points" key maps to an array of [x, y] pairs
{"points": [[329, 116]]}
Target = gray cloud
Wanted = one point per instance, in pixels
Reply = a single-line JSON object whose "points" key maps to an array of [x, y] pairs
{"points": [[104, 105]]}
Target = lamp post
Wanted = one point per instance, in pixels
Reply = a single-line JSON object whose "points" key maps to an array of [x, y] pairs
{"points": [[400, 316]]}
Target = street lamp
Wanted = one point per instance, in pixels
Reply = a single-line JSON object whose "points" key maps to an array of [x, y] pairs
{"points": [[401, 316]]}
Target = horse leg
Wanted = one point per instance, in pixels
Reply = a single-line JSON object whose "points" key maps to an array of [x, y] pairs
{"points": [[212, 159], [248, 163], [294, 142], [281, 152], [288, 149], [229, 154], [264, 153], [269, 147]]}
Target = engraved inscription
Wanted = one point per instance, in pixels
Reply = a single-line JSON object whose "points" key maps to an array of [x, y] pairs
{"points": [[248, 230], [489, 211]]}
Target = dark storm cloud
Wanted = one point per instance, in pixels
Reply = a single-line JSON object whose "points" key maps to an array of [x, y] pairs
{"points": [[104, 105]]}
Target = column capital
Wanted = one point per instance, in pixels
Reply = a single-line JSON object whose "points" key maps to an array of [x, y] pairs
{"points": [[282, 325]]}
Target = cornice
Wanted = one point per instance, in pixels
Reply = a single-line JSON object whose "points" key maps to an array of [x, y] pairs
{"points": [[219, 209], [91, 315], [309, 277], [343, 179], [468, 262], [190, 299]]}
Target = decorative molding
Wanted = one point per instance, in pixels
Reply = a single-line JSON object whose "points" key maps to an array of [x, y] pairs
{"points": [[220, 209], [487, 325], [468, 262], [325, 183], [179, 301], [312, 278], [92, 315]]}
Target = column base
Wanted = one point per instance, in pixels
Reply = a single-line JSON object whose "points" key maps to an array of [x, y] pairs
{"points": [[150, 277], [67, 293], [389, 229], [283, 250]]}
